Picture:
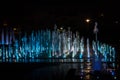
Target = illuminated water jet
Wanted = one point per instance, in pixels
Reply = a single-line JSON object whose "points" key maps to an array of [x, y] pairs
{"points": [[49, 44]]}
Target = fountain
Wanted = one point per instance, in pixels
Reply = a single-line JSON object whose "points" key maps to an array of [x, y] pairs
{"points": [[58, 45], [53, 44]]}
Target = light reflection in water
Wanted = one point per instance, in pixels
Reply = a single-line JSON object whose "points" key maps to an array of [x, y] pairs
{"points": [[54, 46]]}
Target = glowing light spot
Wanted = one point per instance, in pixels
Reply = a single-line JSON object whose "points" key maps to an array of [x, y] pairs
{"points": [[87, 20], [116, 22], [14, 29], [115, 77], [102, 15], [61, 28], [81, 77], [97, 77], [5, 24]]}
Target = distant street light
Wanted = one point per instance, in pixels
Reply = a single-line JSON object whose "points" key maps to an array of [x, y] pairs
{"points": [[5, 24], [87, 20], [14, 29]]}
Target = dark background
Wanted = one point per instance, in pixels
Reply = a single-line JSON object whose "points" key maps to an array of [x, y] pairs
{"points": [[46, 13]]}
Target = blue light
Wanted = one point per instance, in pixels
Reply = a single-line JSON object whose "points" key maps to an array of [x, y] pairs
{"points": [[54, 44], [113, 73]]}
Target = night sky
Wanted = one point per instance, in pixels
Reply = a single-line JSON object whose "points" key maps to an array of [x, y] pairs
{"points": [[65, 14]]}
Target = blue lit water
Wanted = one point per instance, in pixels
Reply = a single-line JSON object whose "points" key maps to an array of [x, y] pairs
{"points": [[52, 44], [70, 50]]}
